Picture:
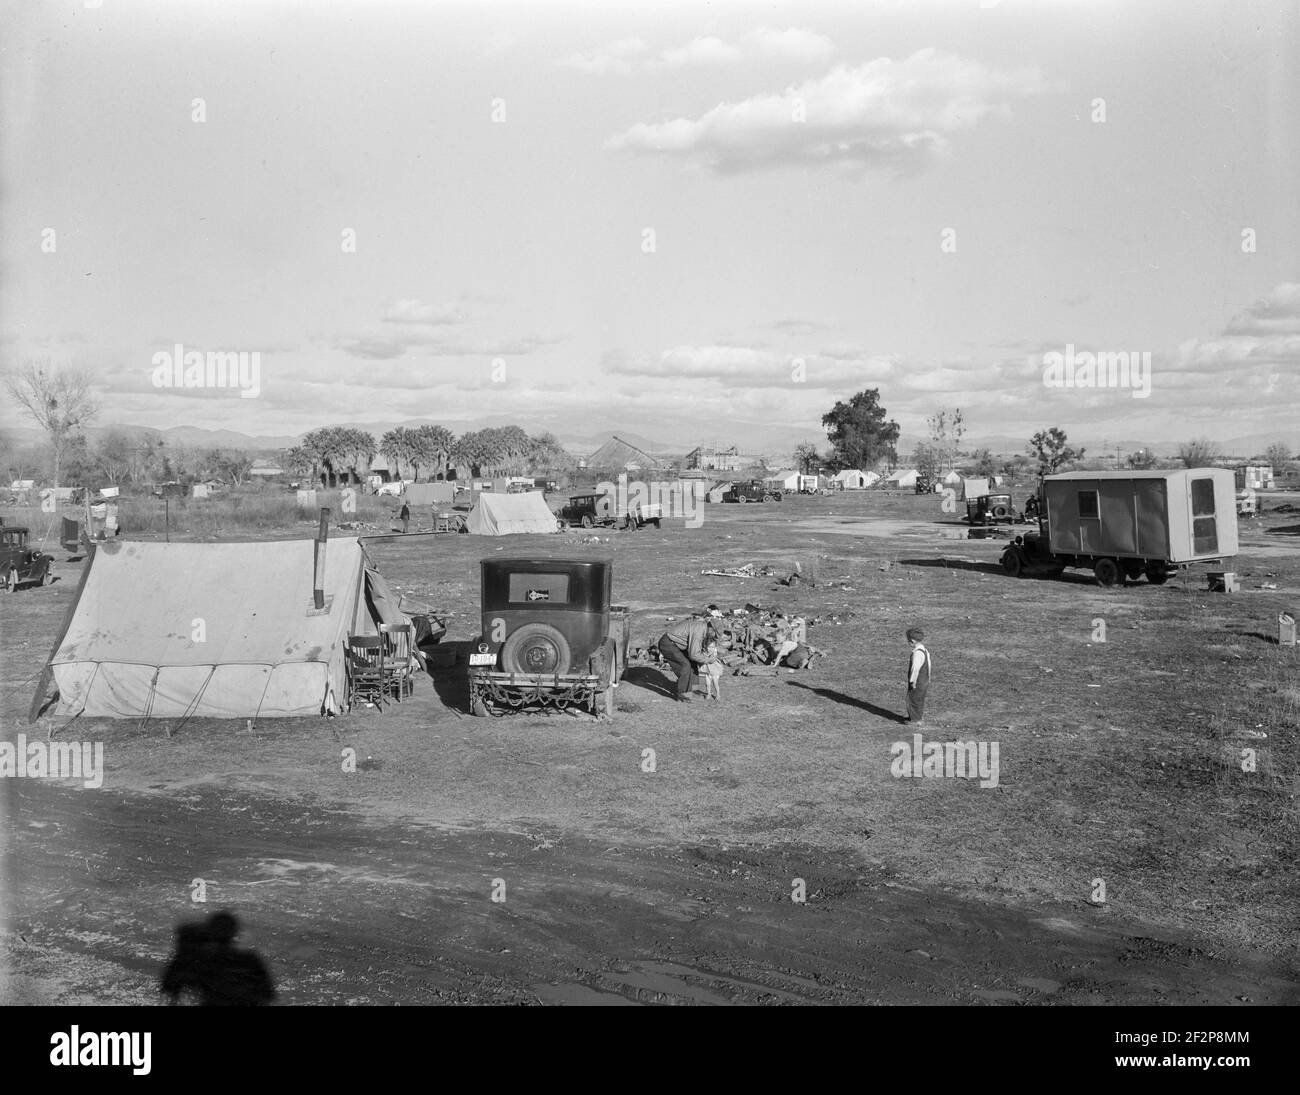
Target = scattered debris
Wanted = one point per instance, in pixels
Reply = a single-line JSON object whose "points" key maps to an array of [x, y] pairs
{"points": [[746, 571]]}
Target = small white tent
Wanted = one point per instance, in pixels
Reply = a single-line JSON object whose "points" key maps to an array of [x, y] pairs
{"points": [[509, 514]]}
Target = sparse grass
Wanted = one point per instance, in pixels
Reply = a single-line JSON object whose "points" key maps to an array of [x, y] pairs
{"points": [[1120, 761]]}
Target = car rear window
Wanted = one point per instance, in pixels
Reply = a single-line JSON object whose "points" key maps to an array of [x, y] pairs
{"points": [[536, 588]]}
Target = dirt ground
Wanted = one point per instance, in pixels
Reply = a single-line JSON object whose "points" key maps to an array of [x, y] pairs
{"points": [[1121, 762]]}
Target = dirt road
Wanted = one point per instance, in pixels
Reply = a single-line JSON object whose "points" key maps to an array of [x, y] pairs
{"points": [[350, 911]]}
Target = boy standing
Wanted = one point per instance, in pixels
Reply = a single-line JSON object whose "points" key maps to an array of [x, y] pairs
{"points": [[918, 675]]}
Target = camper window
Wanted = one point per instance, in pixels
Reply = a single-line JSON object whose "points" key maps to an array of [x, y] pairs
{"points": [[1205, 532], [531, 588], [1202, 497], [1088, 504]]}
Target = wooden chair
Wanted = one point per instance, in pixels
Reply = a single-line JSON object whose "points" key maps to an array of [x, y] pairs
{"points": [[367, 671], [399, 677]]}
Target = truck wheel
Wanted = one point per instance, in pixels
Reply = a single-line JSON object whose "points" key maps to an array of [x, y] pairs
{"points": [[1013, 564], [1157, 575], [1106, 572]]}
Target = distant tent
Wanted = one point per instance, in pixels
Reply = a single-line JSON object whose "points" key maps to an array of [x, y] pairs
{"points": [[904, 477], [952, 479], [715, 492], [974, 488], [787, 479], [508, 514], [852, 479], [226, 631]]}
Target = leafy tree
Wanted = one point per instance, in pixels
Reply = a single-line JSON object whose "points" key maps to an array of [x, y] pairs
{"points": [[858, 431], [432, 446], [59, 402], [547, 456], [1199, 453], [398, 448], [1049, 448]]}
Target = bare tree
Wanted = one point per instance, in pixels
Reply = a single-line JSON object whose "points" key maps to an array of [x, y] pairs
{"points": [[1278, 457], [1199, 453], [57, 400]]}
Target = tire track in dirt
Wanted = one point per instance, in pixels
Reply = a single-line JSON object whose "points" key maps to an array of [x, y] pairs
{"points": [[346, 910]]}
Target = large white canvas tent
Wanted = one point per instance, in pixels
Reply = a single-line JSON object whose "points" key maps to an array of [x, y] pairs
{"points": [[904, 477], [506, 514], [787, 480], [215, 630], [852, 479]]}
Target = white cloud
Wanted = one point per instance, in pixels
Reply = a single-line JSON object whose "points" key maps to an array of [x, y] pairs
{"points": [[617, 58], [791, 44], [414, 311], [629, 55], [882, 114]]}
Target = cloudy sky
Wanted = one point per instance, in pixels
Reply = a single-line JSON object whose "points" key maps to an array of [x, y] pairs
{"points": [[701, 221]]}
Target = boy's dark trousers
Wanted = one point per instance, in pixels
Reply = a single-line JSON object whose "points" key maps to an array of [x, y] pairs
{"points": [[676, 657], [916, 700]]}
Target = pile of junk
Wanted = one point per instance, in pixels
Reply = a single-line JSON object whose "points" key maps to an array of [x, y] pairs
{"points": [[754, 641]]}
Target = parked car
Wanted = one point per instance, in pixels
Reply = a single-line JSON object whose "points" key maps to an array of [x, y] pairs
{"points": [[1126, 524], [550, 637], [924, 484], [19, 564], [991, 509], [584, 508], [753, 491]]}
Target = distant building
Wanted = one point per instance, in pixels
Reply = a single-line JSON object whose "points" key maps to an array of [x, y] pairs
{"points": [[715, 459], [265, 469]]}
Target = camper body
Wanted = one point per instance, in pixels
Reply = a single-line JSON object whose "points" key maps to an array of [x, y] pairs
{"points": [[1126, 524]]}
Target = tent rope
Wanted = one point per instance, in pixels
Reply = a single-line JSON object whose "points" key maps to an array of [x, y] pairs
{"points": [[193, 705]]}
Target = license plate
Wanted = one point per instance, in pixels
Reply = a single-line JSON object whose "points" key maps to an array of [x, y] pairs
{"points": [[482, 659]]}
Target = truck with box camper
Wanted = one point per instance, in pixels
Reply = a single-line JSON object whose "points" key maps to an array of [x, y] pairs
{"points": [[1122, 525]]}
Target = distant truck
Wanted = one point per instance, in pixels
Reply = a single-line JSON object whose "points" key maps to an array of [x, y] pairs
{"points": [[1122, 525], [551, 637]]}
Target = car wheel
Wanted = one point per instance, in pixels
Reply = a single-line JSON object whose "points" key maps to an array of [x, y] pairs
{"points": [[1013, 564], [1106, 572], [536, 649], [588, 521], [1000, 511]]}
